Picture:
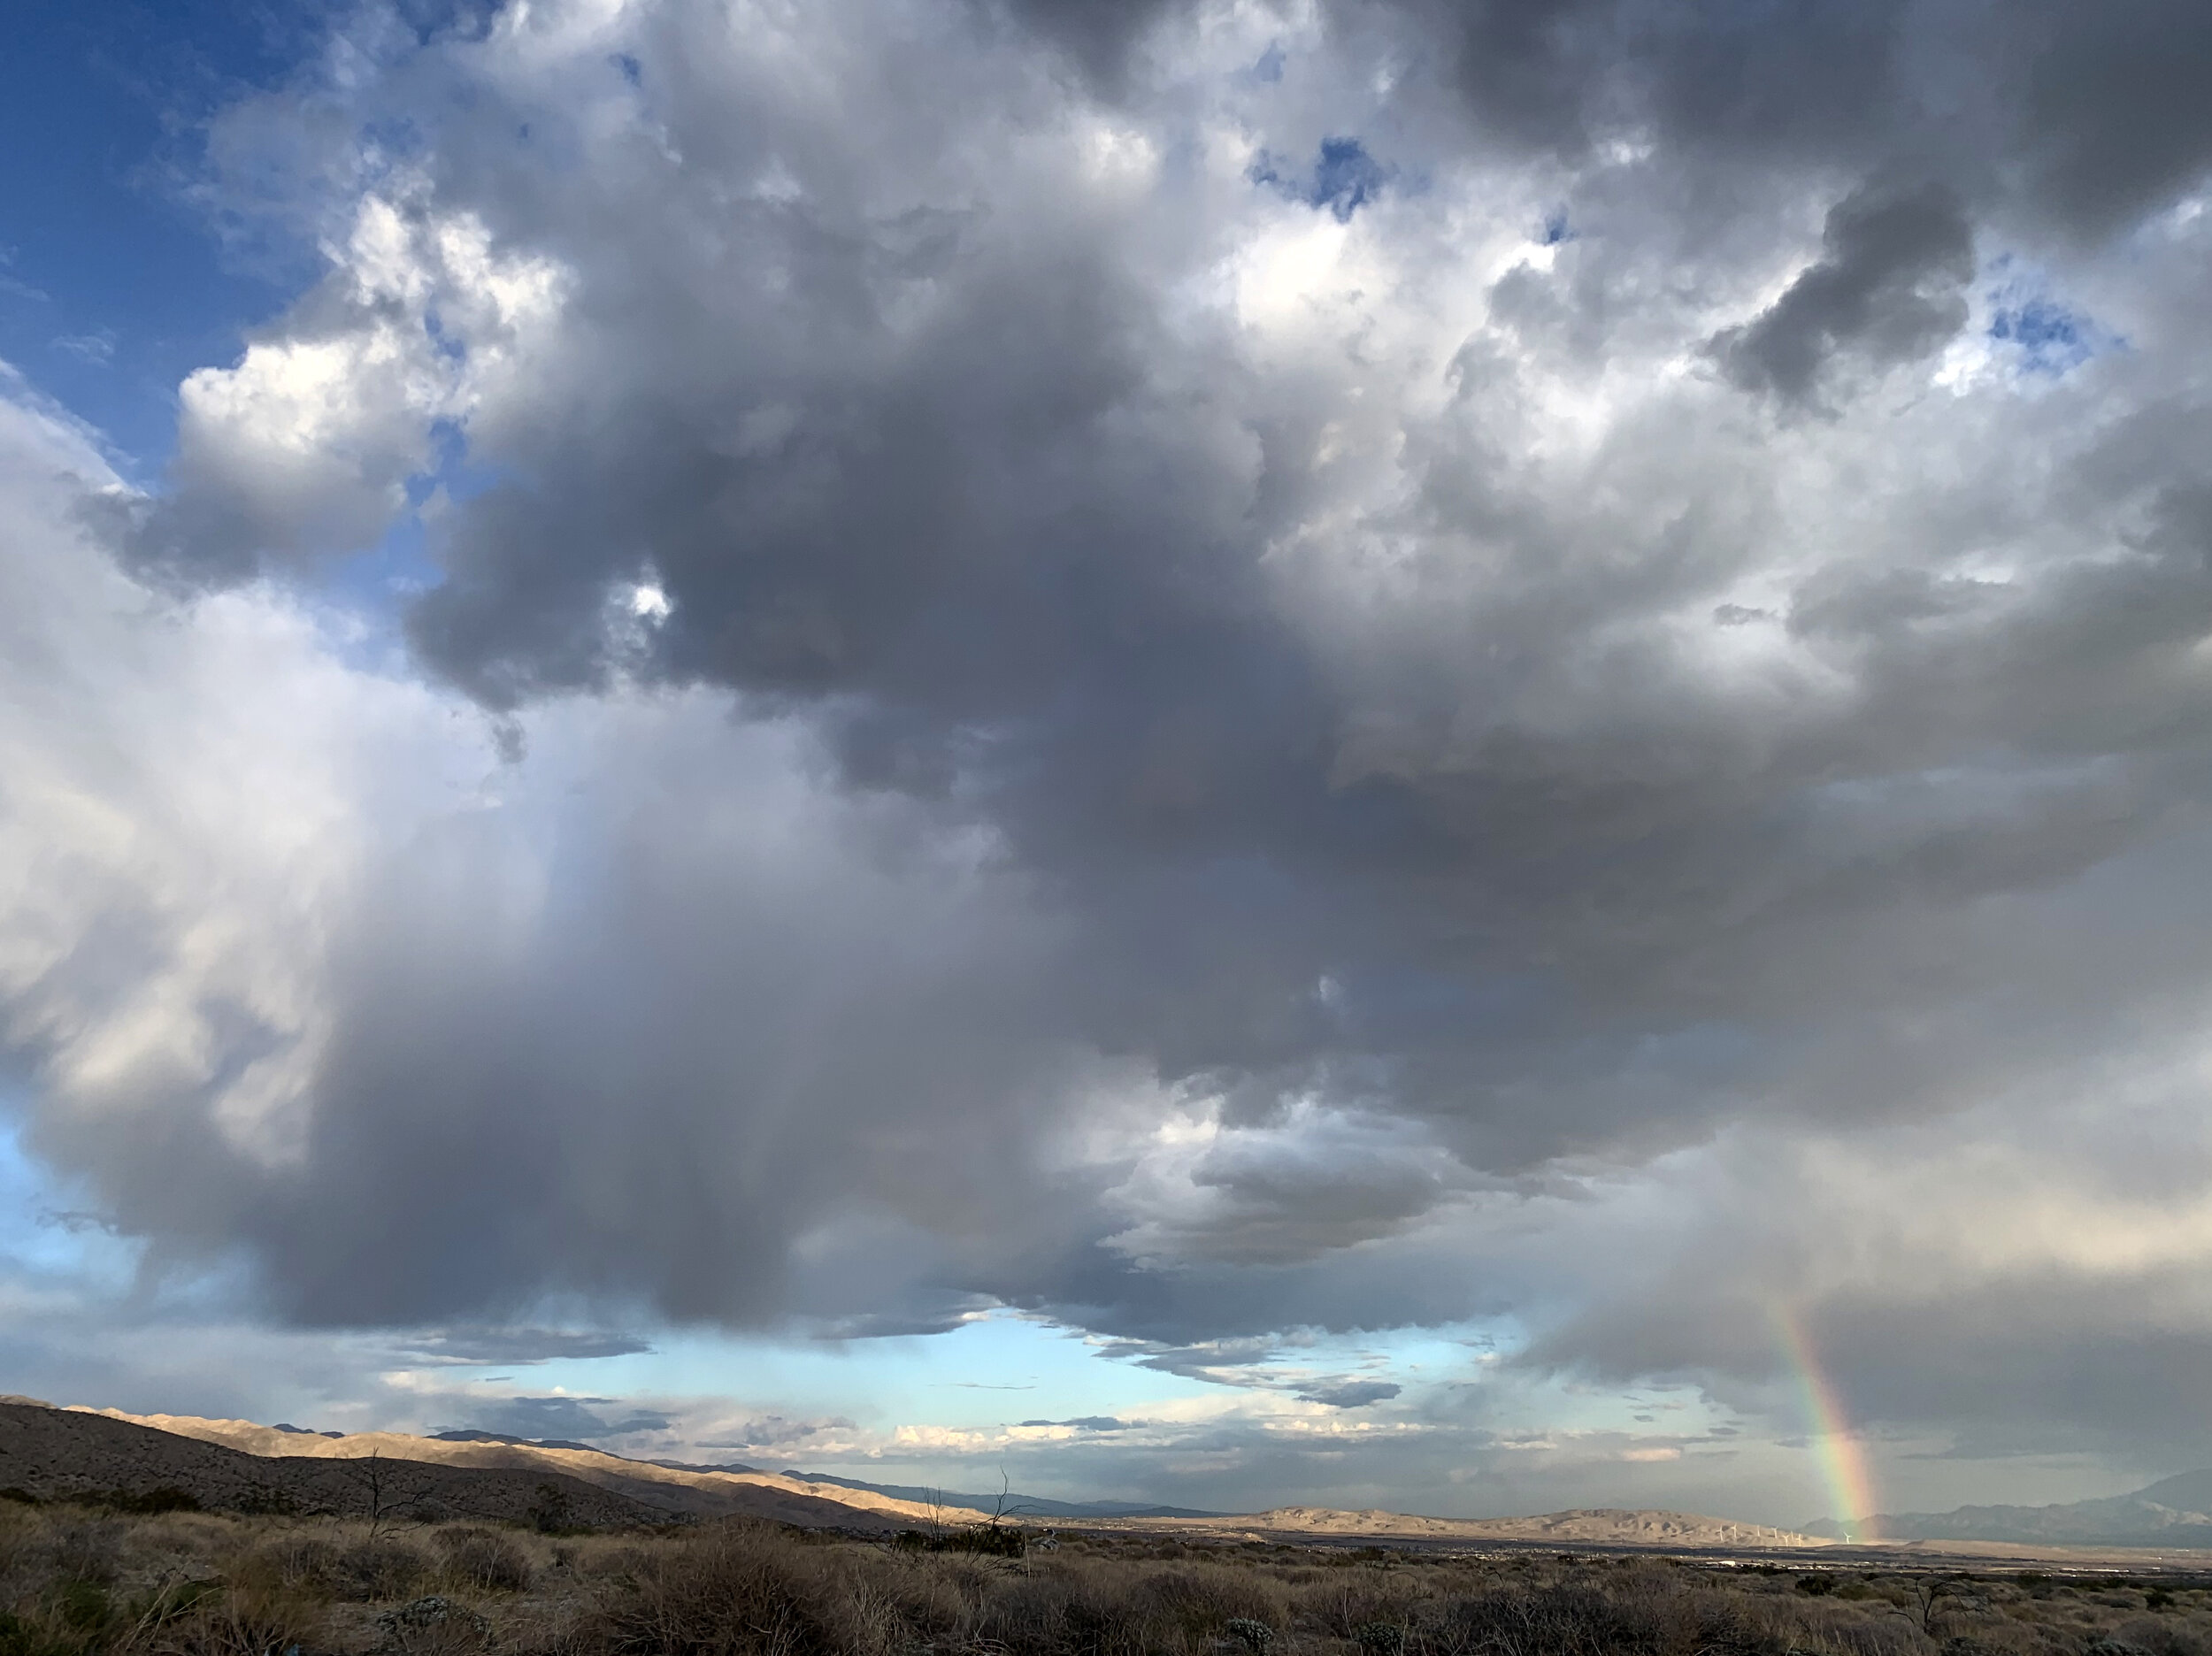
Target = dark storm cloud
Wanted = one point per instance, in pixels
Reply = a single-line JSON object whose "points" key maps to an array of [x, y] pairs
{"points": [[2087, 117], [1818, 80], [1234, 799], [2115, 118], [1888, 289], [1097, 36]]}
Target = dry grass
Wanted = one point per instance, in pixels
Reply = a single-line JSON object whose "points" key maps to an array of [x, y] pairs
{"points": [[81, 1582]]}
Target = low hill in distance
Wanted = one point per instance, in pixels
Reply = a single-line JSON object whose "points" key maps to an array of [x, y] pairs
{"points": [[1608, 1526], [2175, 1512]]}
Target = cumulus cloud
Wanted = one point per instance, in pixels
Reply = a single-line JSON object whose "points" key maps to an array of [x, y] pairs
{"points": [[1205, 756]]}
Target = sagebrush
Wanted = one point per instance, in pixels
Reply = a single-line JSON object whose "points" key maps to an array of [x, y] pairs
{"points": [[78, 1580]]}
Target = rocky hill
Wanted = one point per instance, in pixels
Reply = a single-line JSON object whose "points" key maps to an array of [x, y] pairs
{"points": [[52, 1453]]}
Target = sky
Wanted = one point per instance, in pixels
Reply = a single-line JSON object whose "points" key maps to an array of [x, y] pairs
{"points": [[1377, 753]]}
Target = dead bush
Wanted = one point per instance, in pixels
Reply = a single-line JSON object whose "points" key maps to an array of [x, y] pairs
{"points": [[1191, 1607], [1348, 1600], [178, 1545], [2159, 1636], [1876, 1635], [291, 1562], [1549, 1622], [863, 1618], [58, 1546], [235, 1621], [376, 1568], [362, 1569], [1080, 1612], [484, 1561], [1095, 1610], [735, 1591], [936, 1598], [1638, 1616]]}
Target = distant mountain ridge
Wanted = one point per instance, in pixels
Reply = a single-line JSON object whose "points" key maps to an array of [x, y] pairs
{"points": [[2175, 1511], [1011, 1505]]}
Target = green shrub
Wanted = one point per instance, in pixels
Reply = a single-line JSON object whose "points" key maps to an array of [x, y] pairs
{"points": [[1379, 1638], [1255, 1636]]}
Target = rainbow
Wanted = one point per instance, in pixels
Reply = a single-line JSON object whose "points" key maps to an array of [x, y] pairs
{"points": [[1842, 1457]]}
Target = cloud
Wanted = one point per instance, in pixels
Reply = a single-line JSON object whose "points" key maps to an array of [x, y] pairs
{"points": [[564, 1417], [1352, 1394], [1887, 290], [774, 1431], [507, 1346], [2080, 120], [97, 348], [1011, 719]]}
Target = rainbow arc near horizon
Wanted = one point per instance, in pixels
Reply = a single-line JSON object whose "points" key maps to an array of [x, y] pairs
{"points": [[1842, 1458]]}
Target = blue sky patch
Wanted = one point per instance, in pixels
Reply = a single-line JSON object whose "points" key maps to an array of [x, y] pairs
{"points": [[2044, 334], [112, 286], [2049, 337], [1344, 178]]}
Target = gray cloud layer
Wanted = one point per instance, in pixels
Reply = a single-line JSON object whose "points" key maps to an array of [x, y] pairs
{"points": [[1281, 752]]}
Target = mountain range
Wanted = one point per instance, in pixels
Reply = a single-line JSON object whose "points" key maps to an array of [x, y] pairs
{"points": [[240, 1465], [2175, 1512]]}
